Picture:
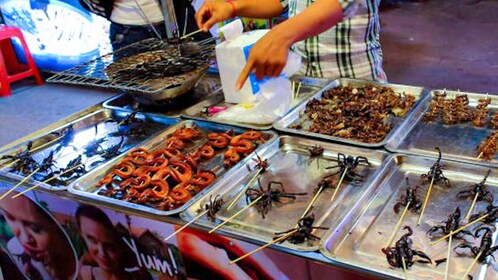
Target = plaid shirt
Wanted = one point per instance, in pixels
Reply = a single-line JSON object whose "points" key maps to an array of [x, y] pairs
{"points": [[350, 49]]}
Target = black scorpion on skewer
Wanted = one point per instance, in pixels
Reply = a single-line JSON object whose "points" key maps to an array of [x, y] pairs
{"points": [[112, 151], [268, 196], [402, 249], [76, 166], [411, 197], [48, 163], [24, 163], [130, 126], [213, 207], [92, 148], [451, 224], [481, 189], [485, 246], [67, 137], [436, 171], [304, 231], [350, 163], [491, 219]]}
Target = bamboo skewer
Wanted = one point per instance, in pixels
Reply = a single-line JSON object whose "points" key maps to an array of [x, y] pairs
{"points": [[398, 224], [448, 258], [311, 202], [243, 189], [46, 144], [480, 155], [49, 179], [264, 246], [458, 230], [18, 184], [236, 214], [9, 164], [472, 206], [403, 262], [471, 266], [426, 199], [191, 34], [187, 224], [339, 184]]}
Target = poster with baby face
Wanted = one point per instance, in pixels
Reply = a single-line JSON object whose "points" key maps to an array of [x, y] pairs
{"points": [[45, 236]]}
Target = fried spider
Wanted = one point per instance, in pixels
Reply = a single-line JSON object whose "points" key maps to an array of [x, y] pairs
{"points": [[411, 197], [491, 211], [480, 190], [48, 163], [260, 164], [451, 224], [268, 196], [348, 164], [436, 172], [316, 152], [402, 250], [304, 231], [485, 248], [213, 207]]}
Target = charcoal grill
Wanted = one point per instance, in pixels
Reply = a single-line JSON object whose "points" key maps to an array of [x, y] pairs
{"points": [[151, 71]]}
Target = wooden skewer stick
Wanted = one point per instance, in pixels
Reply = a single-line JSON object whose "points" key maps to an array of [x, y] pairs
{"points": [[403, 262], [264, 246], [448, 258], [49, 179], [398, 224], [293, 89], [46, 144], [338, 185], [191, 34], [472, 206], [471, 266], [186, 225], [18, 184], [243, 189], [426, 199], [480, 155], [236, 214], [311, 203], [458, 230], [9, 164]]}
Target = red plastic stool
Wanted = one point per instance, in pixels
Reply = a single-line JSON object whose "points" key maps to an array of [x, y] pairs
{"points": [[12, 70]]}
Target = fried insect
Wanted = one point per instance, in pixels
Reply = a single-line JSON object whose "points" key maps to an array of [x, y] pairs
{"points": [[316, 152], [68, 135], [491, 211], [486, 247], [23, 162], [411, 197], [436, 171], [487, 148], [304, 231], [348, 164], [480, 189], [214, 206], [402, 250], [451, 224]]}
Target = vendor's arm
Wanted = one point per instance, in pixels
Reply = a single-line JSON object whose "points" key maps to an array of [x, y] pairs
{"points": [[269, 54], [211, 12]]}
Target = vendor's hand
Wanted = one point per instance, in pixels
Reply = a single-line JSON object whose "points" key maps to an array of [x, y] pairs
{"points": [[267, 58], [211, 13]]}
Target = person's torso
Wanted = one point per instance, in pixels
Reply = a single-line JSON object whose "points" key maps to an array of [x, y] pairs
{"points": [[349, 49], [136, 12]]}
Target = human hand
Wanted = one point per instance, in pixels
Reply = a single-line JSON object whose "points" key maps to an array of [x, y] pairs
{"points": [[211, 13], [267, 57]]}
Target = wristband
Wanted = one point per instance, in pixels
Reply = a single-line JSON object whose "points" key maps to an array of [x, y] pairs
{"points": [[234, 8]]}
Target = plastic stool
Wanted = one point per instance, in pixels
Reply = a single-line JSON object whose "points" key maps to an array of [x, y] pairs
{"points": [[11, 69]]}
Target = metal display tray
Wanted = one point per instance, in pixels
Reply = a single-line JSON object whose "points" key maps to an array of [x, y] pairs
{"points": [[208, 87], [457, 142], [289, 163], [93, 125], [87, 186], [358, 239], [295, 114], [309, 86]]}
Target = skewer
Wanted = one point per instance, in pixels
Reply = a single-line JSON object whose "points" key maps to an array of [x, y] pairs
{"points": [[471, 266], [46, 144], [18, 184], [243, 189], [191, 34], [426, 199], [338, 185], [298, 89], [396, 228], [448, 258], [186, 225], [293, 89], [236, 214], [472, 206], [9, 164], [403, 262], [264, 246], [480, 155], [49, 179], [311, 202], [460, 229]]}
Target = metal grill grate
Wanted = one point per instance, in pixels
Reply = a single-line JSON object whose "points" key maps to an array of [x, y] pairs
{"points": [[93, 73]]}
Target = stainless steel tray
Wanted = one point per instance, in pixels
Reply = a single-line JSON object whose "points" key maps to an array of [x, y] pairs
{"points": [[84, 133], [358, 239], [289, 163], [208, 87], [457, 142], [295, 114], [86, 185], [309, 86]]}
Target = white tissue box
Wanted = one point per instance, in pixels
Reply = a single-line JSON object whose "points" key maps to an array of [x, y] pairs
{"points": [[231, 56]]}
